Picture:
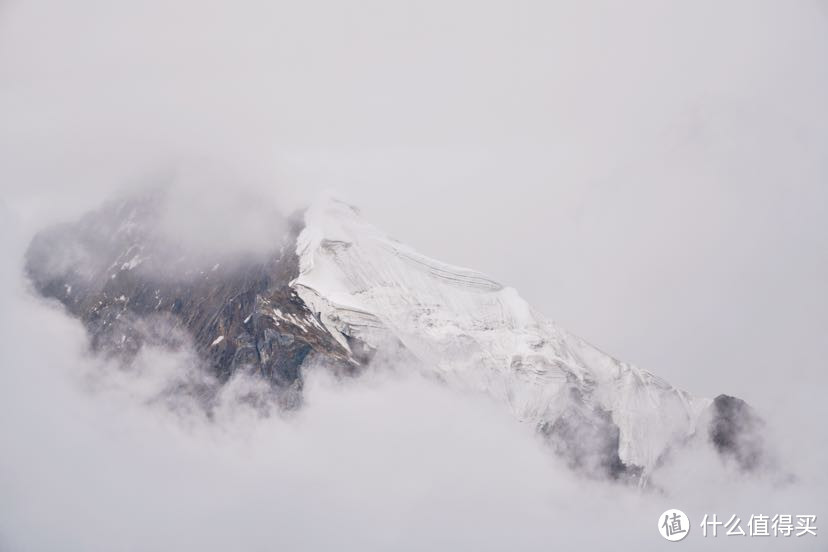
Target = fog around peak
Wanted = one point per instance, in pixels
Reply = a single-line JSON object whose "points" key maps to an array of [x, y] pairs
{"points": [[650, 175]]}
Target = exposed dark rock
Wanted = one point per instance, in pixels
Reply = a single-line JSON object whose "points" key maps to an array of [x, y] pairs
{"points": [[587, 439], [736, 431], [131, 287]]}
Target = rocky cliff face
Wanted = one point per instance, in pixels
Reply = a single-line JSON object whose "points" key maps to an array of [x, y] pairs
{"points": [[333, 291], [131, 286]]}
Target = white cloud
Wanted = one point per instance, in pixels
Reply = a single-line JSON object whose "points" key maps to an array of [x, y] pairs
{"points": [[651, 175]]}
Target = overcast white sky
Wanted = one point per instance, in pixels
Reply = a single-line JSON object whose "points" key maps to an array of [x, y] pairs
{"points": [[651, 175]]}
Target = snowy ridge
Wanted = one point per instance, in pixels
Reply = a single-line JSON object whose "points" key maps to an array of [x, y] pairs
{"points": [[477, 334]]}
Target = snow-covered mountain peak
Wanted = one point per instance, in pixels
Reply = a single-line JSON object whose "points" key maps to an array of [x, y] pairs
{"points": [[337, 292], [475, 333]]}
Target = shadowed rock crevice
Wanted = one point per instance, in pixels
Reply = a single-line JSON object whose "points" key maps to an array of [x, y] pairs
{"points": [[588, 441]]}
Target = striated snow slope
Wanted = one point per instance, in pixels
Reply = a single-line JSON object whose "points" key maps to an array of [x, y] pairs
{"points": [[477, 334]]}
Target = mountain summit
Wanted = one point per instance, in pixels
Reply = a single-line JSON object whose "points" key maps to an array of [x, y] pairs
{"points": [[336, 292]]}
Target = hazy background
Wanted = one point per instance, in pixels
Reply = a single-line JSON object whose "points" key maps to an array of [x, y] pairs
{"points": [[652, 175]]}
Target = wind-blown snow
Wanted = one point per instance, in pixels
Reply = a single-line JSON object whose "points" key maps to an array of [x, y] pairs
{"points": [[477, 334]]}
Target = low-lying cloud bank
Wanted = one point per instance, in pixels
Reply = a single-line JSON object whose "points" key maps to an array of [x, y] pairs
{"points": [[681, 144], [98, 458]]}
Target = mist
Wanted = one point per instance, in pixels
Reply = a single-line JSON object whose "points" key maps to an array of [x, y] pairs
{"points": [[97, 457], [650, 175]]}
